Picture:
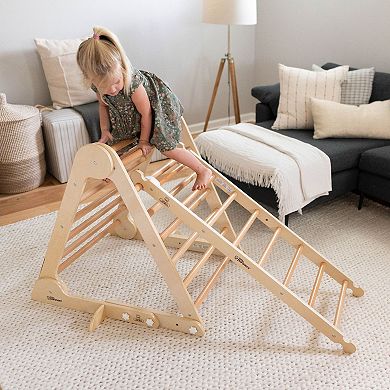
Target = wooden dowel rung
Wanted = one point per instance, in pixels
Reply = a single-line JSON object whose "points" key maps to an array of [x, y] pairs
{"points": [[169, 175], [158, 205], [210, 284], [189, 241], [293, 265], [128, 158], [74, 232], [195, 270], [91, 232], [269, 246], [83, 249], [340, 304], [164, 168], [247, 226], [87, 209], [316, 285], [176, 222], [206, 290]]}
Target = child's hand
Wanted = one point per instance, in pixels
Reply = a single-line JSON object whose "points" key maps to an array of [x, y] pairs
{"points": [[106, 135], [145, 146]]}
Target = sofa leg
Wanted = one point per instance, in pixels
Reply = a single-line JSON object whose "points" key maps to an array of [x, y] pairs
{"points": [[286, 219], [361, 197]]}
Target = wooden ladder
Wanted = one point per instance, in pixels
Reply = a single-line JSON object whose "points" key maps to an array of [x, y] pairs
{"points": [[125, 215]]}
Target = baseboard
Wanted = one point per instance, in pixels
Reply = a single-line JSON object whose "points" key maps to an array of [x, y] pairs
{"points": [[216, 123], [197, 128]]}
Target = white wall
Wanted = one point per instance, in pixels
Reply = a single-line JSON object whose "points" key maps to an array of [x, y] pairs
{"points": [[162, 36], [302, 32]]}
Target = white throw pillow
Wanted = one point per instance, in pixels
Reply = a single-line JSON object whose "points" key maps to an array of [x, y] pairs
{"points": [[297, 86], [336, 120], [63, 75], [357, 87]]}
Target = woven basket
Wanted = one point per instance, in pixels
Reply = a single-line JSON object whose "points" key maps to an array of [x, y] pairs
{"points": [[22, 158]]}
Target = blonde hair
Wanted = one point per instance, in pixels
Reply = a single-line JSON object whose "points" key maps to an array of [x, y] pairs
{"points": [[99, 57]]}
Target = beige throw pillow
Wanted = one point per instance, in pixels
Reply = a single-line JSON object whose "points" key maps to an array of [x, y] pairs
{"points": [[63, 75], [336, 120], [297, 86]]}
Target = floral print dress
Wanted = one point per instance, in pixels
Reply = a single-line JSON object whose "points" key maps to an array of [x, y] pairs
{"points": [[166, 110]]}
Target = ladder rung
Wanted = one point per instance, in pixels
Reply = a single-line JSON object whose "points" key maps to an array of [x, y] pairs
{"points": [[269, 246], [210, 220], [316, 285], [195, 270], [190, 241], [176, 222], [246, 227], [202, 296], [164, 168], [340, 304], [174, 191], [168, 176], [83, 249], [94, 217], [91, 232], [85, 210], [293, 265]]}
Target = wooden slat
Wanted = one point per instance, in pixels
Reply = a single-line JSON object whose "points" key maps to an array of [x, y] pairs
{"points": [[187, 244], [74, 232], [176, 222], [91, 232], [206, 290], [269, 246], [195, 270], [87, 209], [340, 304], [293, 265], [158, 205], [316, 285], [83, 249]]}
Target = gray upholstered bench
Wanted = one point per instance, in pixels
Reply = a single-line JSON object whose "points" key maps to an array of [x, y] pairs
{"points": [[374, 175]]}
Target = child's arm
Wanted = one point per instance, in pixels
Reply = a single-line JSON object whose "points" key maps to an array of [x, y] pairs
{"points": [[142, 104], [104, 121]]}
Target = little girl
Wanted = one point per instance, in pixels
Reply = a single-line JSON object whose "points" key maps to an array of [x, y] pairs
{"points": [[134, 103]]}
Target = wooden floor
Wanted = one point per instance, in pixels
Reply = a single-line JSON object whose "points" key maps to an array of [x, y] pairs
{"points": [[42, 200]]}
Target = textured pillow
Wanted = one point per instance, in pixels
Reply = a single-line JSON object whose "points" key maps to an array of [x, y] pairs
{"points": [[358, 86], [63, 75], [336, 120], [297, 86]]}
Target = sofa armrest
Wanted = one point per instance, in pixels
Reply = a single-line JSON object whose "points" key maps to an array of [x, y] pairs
{"points": [[269, 95], [264, 113]]}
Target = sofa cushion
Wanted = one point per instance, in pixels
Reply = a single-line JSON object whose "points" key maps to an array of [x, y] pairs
{"points": [[380, 86], [344, 153], [376, 161]]}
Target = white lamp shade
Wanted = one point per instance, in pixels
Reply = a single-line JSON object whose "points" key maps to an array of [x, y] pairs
{"points": [[230, 11]]}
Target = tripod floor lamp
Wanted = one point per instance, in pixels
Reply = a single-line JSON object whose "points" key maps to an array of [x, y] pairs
{"points": [[228, 12]]}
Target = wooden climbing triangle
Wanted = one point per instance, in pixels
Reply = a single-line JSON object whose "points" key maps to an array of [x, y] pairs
{"points": [[126, 216]]}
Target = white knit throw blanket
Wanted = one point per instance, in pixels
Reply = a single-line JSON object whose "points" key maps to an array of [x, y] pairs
{"points": [[297, 172]]}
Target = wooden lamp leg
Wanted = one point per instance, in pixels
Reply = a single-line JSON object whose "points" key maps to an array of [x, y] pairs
{"points": [[216, 85], [233, 80]]}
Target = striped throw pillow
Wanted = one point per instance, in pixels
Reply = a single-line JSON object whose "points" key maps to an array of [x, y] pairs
{"points": [[297, 86], [357, 87]]}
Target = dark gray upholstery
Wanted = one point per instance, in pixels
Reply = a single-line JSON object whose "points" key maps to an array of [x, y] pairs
{"points": [[344, 153], [376, 161], [361, 165]]}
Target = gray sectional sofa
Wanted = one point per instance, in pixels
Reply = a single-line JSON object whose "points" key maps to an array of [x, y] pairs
{"points": [[358, 165]]}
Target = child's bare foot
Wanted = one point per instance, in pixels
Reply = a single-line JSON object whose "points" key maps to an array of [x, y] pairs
{"points": [[203, 176]]}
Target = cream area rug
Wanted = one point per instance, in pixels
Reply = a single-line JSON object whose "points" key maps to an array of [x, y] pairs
{"points": [[252, 340]]}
